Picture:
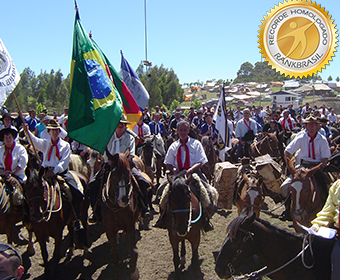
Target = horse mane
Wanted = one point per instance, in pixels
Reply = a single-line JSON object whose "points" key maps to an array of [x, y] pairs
{"points": [[179, 186], [120, 162]]}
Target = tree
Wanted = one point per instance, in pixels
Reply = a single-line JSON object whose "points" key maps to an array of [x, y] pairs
{"points": [[337, 79], [330, 79]]}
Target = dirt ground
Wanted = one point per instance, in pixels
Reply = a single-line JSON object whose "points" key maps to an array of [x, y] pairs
{"points": [[155, 254]]}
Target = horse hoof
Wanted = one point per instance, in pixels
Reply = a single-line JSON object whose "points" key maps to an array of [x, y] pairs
{"points": [[30, 251], [135, 274]]}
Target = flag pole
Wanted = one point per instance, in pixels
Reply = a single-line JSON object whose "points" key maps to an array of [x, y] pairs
{"points": [[25, 128]]}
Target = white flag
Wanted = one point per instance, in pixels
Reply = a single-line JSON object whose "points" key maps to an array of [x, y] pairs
{"points": [[9, 76], [221, 125]]}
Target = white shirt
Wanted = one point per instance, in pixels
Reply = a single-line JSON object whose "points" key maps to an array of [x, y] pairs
{"points": [[332, 118], [287, 124], [301, 141], [146, 130], [242, 129], [19, 158], [44, 145], [196, 153], [120, 145]]}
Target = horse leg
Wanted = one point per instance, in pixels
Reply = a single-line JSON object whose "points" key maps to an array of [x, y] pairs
{"points": [[175, 250], [30, 247], [42, 243], [182, 261], [133, 255], [70, 249], [195, 242]]}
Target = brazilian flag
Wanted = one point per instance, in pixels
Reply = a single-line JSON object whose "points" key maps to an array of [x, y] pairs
{"points": [[95, 103]]}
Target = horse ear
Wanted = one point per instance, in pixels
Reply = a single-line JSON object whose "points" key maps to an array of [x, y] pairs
{"points": [[169, 178], [41, 172], [313, 170], [188, 179], [245, 177], [248, 221], [290, 166], [109, 156]]}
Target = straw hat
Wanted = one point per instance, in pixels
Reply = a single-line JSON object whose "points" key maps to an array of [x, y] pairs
{"points": [[123, 120], [311, 119], [53, 124]]}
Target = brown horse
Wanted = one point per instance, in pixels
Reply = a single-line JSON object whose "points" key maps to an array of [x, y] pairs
{"points": [[249, 192], [184, 221], [120, 209], [267, 144], [208, 168], [307, 196], [50, 211]]}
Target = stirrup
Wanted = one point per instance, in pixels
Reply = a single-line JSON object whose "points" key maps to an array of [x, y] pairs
{"points": [[77, 225]]}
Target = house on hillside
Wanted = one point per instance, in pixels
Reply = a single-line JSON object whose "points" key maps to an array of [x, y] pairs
{"points": [[284, 98], [291, 84]]}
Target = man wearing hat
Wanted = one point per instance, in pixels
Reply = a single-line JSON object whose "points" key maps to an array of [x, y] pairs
{"points": [[313, 150], [13, 161], [286, 121], [156, 126], [273, 116], [10, 263], [208, 127], [7, 123], [142, 130], [56, 157]]}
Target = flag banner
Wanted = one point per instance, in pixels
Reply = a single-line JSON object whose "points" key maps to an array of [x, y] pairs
{"points": [[134, 84], [9, 76], [221, 125], [95, 103], [130, 107]]}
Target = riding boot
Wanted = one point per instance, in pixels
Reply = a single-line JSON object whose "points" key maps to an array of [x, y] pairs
{"points": [[285, 216], [207, 226], [161, 222], [76, 205]]}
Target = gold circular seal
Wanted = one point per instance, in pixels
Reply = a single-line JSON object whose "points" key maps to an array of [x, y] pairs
{"points": [[298, 38]]}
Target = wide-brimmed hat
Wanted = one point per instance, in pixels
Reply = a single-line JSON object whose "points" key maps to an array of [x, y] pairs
{"points": [[47, 118], [10, 130], [5, 247], [53, 124], [123, 119], [311, 119], [207, 114], [6, 115], [323, 120]]}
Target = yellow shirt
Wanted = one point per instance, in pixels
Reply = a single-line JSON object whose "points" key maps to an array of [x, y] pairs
{"points": [[330, 211]]}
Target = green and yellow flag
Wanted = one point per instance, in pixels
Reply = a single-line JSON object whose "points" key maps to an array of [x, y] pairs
{"points": [[95, 103]]}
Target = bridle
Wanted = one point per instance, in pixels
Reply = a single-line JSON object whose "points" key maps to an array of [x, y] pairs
{"points": [[249, 236]]}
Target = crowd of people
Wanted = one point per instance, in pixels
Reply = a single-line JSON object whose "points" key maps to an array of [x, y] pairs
{"points": [[49, 136]]}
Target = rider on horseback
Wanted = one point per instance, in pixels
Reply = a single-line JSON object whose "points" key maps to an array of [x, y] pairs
{"points": [[313, 150], [56, 157], [186, 154], [13, 161], [121, 141]]}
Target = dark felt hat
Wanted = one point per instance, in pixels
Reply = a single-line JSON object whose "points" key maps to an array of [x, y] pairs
{"points": [[10, 130]]}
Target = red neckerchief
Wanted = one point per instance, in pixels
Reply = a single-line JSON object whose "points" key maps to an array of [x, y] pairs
{"points": [[290, 124], [54, 144], [8, 157], [311, 140], [248, 125], [140, 129], [187, 155]]}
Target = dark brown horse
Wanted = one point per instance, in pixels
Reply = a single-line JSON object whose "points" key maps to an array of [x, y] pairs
{"points": [[284, 254], [50, 212], [184, 221], [120, 209], [307, 196], [208, 168], [249, 192]]}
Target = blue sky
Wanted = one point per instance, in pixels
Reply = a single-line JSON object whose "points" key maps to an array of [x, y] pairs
{"points": [[199, 39]]}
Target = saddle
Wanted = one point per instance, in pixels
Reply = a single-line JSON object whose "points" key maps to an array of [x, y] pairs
{"points": [[14, 190]]}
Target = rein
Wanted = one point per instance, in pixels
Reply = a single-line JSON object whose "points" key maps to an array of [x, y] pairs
{"points": [[305, 245]]}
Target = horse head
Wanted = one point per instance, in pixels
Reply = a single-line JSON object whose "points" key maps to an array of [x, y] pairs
{"points": [[180, 204], [36, 190], [303, 194], [237, 246], [118, 184], [159, 145]]}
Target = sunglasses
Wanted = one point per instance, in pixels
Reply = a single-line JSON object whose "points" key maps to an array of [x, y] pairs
{"points": [[6, 247]]}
